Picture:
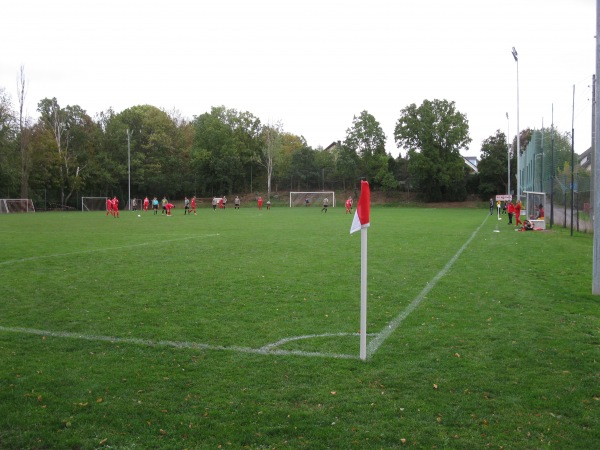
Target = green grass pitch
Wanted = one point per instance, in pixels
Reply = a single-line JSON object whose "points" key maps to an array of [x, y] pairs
{"points": [[239, 329]]}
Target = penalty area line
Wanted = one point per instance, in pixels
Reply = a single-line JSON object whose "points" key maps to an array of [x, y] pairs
{"points": [[265, 350], [105, 249], [382, 336]]}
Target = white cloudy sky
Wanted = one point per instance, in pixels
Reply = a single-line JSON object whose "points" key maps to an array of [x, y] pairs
{"points": [[311, 64]]}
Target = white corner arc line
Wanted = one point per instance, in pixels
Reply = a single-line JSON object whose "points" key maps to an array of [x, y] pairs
{"points": [[382, 336], [284, 341]]}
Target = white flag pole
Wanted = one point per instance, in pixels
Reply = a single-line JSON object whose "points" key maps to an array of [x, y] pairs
{"points": [[363, 293]]}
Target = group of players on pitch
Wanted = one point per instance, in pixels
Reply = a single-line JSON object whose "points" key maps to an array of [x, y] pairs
{"points": [[112, 205]]}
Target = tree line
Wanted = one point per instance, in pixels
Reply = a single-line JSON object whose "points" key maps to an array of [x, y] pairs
{"points": [[65, 153]]}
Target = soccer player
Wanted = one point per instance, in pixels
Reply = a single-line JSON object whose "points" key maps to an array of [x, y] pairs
{"points": [[164, 202], [115, 206], [108, 206], [155, 205], [168, 208], [236, 202], [194, 204], [214, 203], [325, 204], [186, 205], [349, 205], [268, 204], [146, 203], [518, 207], [259, 201]]}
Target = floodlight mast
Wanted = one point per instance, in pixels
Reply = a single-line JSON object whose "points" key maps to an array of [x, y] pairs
{"points": [[516, 56], [509, 145], [129, 134], [596, 168]]}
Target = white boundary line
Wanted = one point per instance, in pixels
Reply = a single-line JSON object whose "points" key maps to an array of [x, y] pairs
{"points": [[104, 249], [269, 349], [395, 323], [265, 350]]}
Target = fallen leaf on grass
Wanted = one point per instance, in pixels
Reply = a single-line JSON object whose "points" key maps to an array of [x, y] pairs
{"points": [[103, 441]]}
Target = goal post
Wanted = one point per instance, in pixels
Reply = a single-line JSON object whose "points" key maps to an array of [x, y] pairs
{"points": [[93, 203], [311, 198], [16, 205]]}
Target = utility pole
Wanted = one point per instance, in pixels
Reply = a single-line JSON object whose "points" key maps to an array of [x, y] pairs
{"points": [[596, 172], [516, 56], [509, 146], [129, 133]]}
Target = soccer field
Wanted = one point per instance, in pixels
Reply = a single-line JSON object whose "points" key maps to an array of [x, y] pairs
{"points": [[240, 329]]}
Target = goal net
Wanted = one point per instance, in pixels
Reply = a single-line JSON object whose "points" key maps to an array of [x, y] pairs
{"points": [[311, 198], [16, 205], [93, 203]]}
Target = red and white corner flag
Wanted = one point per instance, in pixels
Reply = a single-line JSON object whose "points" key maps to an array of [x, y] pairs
{"points": [[361, 222], [363, 210]]}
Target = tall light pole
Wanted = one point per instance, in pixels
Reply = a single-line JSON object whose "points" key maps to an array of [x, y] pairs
{"points": [[508, 146], [516, 56], [129, 134]]}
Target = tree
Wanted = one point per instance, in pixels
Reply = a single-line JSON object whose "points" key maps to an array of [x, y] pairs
{"points": [[8, 153], [433, 135], [226, 143], [493, 166], [303, 168], [347, 167], [365, 136], [271, 135], [367, 139], [69, 127], [23, 133]]}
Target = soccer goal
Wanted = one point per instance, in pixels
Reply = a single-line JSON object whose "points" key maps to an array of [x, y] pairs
{"points": [[16, 205], [93, 203], [311, 198]]}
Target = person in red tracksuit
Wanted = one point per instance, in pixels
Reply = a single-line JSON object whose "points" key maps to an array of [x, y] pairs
{"points": [[518, 207], [511, 211]]}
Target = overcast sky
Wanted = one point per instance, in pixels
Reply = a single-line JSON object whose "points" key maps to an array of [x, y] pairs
{"points": [[311, 64]]}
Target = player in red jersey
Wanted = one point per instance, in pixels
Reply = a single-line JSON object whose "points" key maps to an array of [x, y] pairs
{"points": [[115, 206], [108, 206], [146, 203], [194, 204], [260, 202], [349, 205], [168, 208]]}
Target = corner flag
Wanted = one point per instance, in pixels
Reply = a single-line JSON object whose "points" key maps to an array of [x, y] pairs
{"points": [[361, 222], [363, 210]]}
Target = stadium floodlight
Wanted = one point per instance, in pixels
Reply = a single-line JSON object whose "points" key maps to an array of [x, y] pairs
{"points": [[129, 133], [509, 145], [516, 56]]}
